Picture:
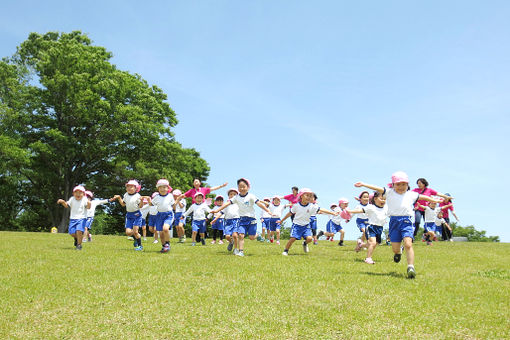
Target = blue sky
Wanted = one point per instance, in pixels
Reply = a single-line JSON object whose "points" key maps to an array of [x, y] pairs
{"points": [[318, 94]]}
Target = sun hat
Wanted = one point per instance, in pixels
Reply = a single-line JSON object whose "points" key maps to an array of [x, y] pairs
{"points": [[79, 188], [198, 193], [232, 189], [135, 183], [89, 193], [343, 200], [163, 183], [177, 192], [304, 191], [219, 197]]}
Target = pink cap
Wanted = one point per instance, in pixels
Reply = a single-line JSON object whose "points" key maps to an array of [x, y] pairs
{"points": [[304, 191], [135, 183], [245, 180], [277, 197], [333, 205], [89, 193], [232, 189], [345, 215], [198, 193], [343, 200], [154, 194], [399, 177], [267, 199], [218, 197], [79, 188], [163, 183], [177, 192]]}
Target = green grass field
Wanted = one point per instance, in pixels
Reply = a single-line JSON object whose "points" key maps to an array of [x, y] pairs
{"points": [[49, 290]]}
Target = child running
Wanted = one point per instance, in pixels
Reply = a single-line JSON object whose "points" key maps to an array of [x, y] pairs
{"points": [[400, 203], [78, 217], [231, 220], [376, 211], [276, 208], [247, 222], [91, 212], [218, 223], [165, 202], [313, 222], [200, 211], [145, 213], [302, 211], [362, 220], [151, 221], [180, 208], [330, 230], [133, 202], [431, 211], [265, 219]]}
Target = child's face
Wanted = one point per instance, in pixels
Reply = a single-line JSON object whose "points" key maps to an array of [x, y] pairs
{"points": [[380, 200], [276, 201], [163, 190], [199, 199], [440, 215], [343, 205], [218, 203], [78, 195], [232, 194], [432, 205], [196, 183], [130, 188], [243, 188], [364, 199], [294, 191], [400, 187], [306, 198]]}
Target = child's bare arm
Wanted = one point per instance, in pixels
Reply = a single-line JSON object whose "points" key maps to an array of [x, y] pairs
{"points": [[221, 208], [289, 214], [369, 186], [63, 203], [263, 207]]}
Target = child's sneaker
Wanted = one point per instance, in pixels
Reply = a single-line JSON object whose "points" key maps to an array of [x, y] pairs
{"points": [[267, 240], [411, 272], [139, 248], [315, 242], [369, 260], [397, 257], [278, 242], [305, 247], [213, 242], [155, 241], [271, 240], [78, 247], [285, 253], [145, 238], [236, 251], [202, 240], [240, 253], [358, 246], [130, 238], [341, 243], [180, 240], [84, 239], [230, 246], [331, 239], [220, 242], [90, 238], [429, 243], [193, 244], [260, 238]]}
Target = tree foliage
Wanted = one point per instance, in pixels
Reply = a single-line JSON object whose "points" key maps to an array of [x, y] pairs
{"points": [[68, 116], [472, 234]]}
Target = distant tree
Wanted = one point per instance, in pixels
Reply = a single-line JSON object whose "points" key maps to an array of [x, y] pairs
{"points": [[472, 234], [68, 116]]}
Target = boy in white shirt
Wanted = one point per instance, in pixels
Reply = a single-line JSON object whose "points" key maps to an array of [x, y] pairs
{"points": [[78, 217], [200, 211]]}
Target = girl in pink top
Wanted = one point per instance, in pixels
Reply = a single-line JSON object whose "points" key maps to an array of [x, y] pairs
{"points": [[292, 198], [422, 189], [448, 204], [196, 188]]}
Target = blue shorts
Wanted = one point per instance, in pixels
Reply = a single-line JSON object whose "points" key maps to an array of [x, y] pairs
{"points": [[362, 223], [151, 220], [144, 222], [162, 218], [133, 219], [333, 227], [230, 225], [247, 225], [219, 224], [177, 219], [88, 222], [374, 230], [77, 225], [198, 226], [430, 226], [300, 231], [273, 226], [439, 230], [265, 222], [400, 227], [313, 222]]}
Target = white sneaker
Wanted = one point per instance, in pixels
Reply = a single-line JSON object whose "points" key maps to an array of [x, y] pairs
{"points": [[240, 253], [155, 241], [305, 247], [278, 242], [213, 242], [145, 238], [285, 253], [236, 251]]}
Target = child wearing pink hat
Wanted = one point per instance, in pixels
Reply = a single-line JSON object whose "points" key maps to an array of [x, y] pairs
{"points": [[400, 203], [231, 220], [200, 210], [78, 217], [276, 208], [218, 223], [91, 212], [165, 202], [180, 208], [247, 221], [132, 200], [151, 219]]}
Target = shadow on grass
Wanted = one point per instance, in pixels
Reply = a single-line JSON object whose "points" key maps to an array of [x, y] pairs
{"points": [[390, 274]]}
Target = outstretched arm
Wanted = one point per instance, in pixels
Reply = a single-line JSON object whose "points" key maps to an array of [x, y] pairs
{"points": [[289, 214], [221, 208], [355, 211], [263, 207], [324, 211], [63, 203], [119, 198], [429, 199], [219, 186], [369, 186]]}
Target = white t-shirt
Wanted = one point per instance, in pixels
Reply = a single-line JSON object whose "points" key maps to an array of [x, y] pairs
{"points": [[431, 214], [232, 211], [178, 209], [303, 213], [400, 205], [245, 204], [362, 207], [78, 208], [164, 203], [199, 211], [153, 210], [145, 210], [93, 204], [337, 219], [439, 221], [265, 214], [277, 210], [376, 215], [132, 202]]}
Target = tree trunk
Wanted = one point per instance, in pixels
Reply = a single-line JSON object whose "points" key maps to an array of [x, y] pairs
{"points": [[64, 220]]}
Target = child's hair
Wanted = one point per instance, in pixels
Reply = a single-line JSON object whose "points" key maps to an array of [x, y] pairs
{"points": [[295, 188], [315, 197], [424, 181], [376, 194], [362, 193]]}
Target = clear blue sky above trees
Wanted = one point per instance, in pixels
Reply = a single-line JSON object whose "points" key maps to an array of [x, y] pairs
{"points": [[318, 94]]}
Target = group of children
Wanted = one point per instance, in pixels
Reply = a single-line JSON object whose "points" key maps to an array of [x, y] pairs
{"points": [[234, 218]]}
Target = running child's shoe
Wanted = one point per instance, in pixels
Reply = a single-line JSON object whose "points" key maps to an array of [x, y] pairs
{"points": [[271, 240], [278, 242], [236, 251], [202, 241], [220, 242], [240, 253], [411, 272], [397, 257], [193, 244], [315, 242], [305, 247], [213, 242], [369, 260], [285, 253], [78, 247], [139, 248], [230, 246], [358, 246], [155, 241]]}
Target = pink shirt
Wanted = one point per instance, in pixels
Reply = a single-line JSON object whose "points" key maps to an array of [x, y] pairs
{"points": [[445, 210], [191, 192], [425, 192], [291, 198]]}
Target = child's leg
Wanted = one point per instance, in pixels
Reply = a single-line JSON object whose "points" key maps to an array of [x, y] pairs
{"points": [[235, 236], [372, 243], [263, 232], [79, 236], [240, 241], [395, 246], [342, 233], [165, 234], [129, 232], [137, 236], [278, 235], [309, 239], [75, 240], [193, 236], [221, 234], [289, 243], [408, 245], [144, 231], [363, 237], [214, 234], [202, 236], [86, 233]]}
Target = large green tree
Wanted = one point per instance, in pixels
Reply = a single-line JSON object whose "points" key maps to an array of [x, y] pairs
{"points": [[68, 116]]}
